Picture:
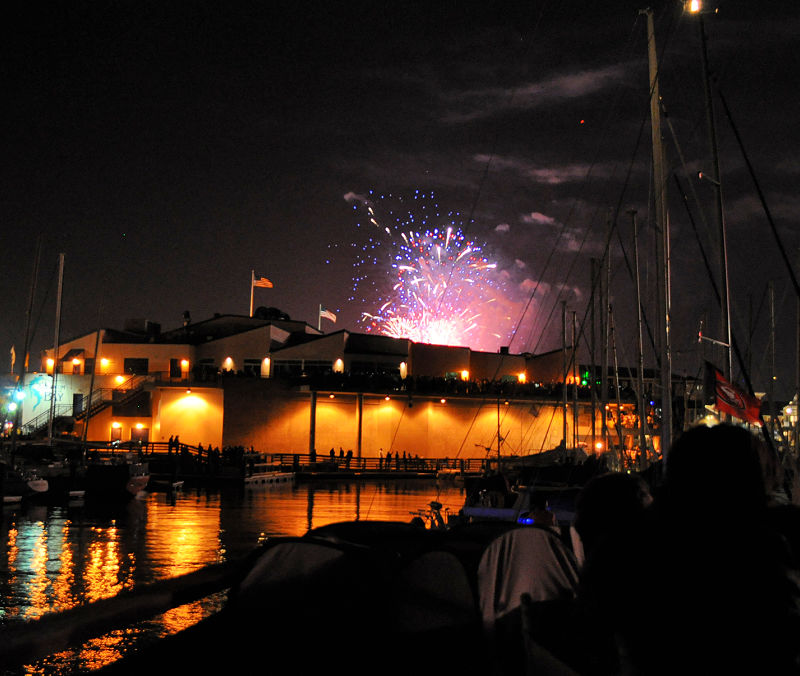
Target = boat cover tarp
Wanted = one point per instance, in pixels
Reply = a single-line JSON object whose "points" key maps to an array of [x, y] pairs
{"points": [[432, 593], [376, 597], [528, 560]]}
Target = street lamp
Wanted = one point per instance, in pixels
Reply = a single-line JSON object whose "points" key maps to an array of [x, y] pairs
{"points": [[699, 7]]}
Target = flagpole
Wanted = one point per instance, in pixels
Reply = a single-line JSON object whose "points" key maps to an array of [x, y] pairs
{"points": [[252, 284], [319, 319]]}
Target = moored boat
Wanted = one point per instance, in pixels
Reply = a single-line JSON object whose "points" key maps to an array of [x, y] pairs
{"points": [[116, 478], [276, 478], [66, 480], [17, 485]]}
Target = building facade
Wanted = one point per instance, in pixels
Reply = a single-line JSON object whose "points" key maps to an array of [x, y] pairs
{"points": [[283, 386]]}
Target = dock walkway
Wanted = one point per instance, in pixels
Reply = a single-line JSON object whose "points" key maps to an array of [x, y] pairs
{"points": [[197, 466]]}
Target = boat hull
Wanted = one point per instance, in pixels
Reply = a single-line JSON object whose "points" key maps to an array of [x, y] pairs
{"points": [[115, 481], [267, 479]]}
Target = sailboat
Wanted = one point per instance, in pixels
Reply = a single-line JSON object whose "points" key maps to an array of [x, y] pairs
{"points": [[17, 485]]}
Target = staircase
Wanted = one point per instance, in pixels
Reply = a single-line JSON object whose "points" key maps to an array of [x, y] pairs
{"points": [[99, 401], [103, 398]]}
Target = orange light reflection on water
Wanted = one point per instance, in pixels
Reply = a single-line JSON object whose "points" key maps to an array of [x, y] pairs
{"points": [[38, 582], [41, 566], [184, 537], [56, 563], [63, 585], [105, 572]]}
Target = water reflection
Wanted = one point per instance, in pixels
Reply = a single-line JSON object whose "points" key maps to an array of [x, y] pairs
{"points": [[58, 557], [183, 536]]}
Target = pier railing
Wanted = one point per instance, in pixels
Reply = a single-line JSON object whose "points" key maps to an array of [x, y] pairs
{"points": [[327, 463], [232, 462]]}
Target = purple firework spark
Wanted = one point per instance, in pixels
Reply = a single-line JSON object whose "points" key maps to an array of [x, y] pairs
{"points": [[430, 282]]}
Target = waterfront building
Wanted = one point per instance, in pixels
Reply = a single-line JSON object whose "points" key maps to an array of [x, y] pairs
{"points": [[284, 386]]}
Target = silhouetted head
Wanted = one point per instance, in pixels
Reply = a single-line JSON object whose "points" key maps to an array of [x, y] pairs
{"points": [[609, 506], [716, 469]]}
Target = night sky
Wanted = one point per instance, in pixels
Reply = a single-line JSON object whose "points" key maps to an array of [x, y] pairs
{"points": [[169, 148]]}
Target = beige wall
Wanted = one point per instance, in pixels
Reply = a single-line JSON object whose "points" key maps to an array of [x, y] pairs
{"points": [[253, 344], [276, 420], [267, 415], [329, 347], [158, 355], [86, 343], [196, 416]]}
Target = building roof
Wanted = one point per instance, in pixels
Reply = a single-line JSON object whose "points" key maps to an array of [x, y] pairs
{"points": [[368, 343]]}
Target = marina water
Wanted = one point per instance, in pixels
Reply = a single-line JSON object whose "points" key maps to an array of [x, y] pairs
{"points": [[55, 557]]}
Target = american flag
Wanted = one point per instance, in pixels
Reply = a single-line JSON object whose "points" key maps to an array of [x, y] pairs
{"points": [[327, 314], [262, 282]]}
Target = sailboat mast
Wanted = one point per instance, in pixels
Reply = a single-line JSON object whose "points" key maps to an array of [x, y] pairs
{"points": [[639, 344], [662, 237], [88, 410], [575, 377], [618, 422], [566, 368], [55, 348], [23, 365], [593, 353], [499, 437], [725, 303]]}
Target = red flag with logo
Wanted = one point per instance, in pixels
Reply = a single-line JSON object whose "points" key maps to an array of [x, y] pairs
{"points": [[734, 401]]}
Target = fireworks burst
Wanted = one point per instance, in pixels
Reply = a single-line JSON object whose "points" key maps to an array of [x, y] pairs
{"points": [[430, 281]]}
